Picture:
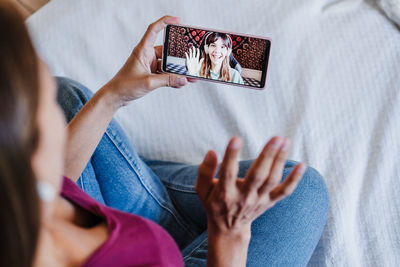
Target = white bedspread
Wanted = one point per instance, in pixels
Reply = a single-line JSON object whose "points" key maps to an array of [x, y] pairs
{"points": [[333, 88]]}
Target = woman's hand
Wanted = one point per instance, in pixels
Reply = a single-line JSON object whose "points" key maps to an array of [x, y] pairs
{"points": [[193, 61], [232, 204], [139, 75]]}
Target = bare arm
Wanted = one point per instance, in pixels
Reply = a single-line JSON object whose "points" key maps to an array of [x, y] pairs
{"points": [[86, 130], [228, 250], [135, 79]]}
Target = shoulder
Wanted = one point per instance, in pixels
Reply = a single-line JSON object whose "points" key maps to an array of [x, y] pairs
{"points": [[233, 72], [235, 76]]}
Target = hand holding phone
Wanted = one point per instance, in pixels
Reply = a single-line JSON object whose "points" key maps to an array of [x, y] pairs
{"points": [[141, 72]]}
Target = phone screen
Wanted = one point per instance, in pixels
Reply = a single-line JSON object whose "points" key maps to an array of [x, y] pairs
{"points": [[214, 55]]}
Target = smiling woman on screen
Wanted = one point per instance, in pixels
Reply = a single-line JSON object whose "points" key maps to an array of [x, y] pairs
{"points": [[214, 63]]}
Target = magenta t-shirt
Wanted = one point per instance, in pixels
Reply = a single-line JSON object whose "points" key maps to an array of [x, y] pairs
{"points": [[133, 240]]}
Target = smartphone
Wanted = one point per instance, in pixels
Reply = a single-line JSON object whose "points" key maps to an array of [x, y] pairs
{"points": [[215, 55]]}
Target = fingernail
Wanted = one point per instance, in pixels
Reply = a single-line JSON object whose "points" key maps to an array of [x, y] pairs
{"points": [[286, 146], [276, 143], [181, 81], [236, 143], [208, 159], [302, 168]]}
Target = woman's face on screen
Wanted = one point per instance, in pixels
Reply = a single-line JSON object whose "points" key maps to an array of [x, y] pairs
{"points": [[218, 51]]}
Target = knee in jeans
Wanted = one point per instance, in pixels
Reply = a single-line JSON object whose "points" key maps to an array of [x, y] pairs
{"points": [[314, 187], [71, 96], [73, 88]]}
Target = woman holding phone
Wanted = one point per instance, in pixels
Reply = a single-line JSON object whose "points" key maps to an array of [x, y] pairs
{"points": [[214, 61], [47, 220]]}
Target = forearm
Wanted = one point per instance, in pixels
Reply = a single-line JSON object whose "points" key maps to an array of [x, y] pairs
{"points": [[228, 250], [135, 79], [86, 130]]}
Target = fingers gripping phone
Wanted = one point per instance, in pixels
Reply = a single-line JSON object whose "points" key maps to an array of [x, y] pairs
{"points": [[218, 56]]}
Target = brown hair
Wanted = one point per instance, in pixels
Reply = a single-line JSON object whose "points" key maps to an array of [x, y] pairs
{"points": [[206, 65], [19, 85]]}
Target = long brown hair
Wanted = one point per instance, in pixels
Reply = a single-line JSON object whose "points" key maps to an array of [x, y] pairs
{"points": [[206, 65], [19, 85]]}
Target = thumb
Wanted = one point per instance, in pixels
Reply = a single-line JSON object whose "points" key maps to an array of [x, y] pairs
{"points": [[168, 80]]}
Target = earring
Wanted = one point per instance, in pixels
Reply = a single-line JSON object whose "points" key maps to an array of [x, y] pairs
{"points": [[46, 191]]}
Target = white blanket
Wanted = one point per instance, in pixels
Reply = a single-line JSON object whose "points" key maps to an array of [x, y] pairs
{"points": [[333, 88]]}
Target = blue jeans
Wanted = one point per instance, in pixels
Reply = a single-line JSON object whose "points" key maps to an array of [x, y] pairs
{"points": [[285, 235]]}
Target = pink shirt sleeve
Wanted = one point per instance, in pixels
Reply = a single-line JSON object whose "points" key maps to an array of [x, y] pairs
{"points": [[133, 240]]}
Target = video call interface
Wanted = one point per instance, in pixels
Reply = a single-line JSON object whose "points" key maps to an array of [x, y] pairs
{"points": [[216, 55]]}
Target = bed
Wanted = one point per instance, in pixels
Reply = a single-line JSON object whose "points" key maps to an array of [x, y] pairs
{"points": [[333, 88]]}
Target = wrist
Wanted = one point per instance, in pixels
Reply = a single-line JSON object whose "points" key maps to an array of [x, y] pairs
{"points": [[111, 97], [239, 236], [242, 232], [227, 247]]}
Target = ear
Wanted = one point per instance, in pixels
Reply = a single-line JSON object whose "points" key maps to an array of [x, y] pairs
{"points": [[229, 52]]}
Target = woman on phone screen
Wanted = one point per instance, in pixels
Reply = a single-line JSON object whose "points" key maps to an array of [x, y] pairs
{"points": [[214, 63]]}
